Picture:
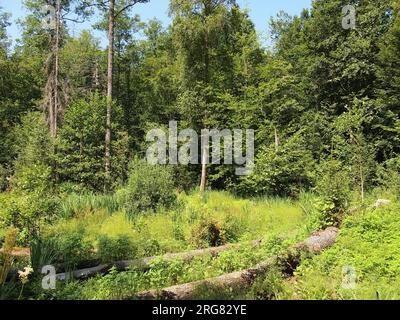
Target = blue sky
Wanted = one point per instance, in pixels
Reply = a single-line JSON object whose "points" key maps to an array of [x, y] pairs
{"points": [[260, 12]]}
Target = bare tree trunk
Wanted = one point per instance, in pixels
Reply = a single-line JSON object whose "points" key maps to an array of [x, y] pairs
{"points": [[203, 180], [56, 69], [362, 183], [277, 142], [203, 170], [96, 77], [111, 26], [52, 96]]}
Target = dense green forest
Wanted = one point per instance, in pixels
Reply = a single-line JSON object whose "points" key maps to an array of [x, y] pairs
{"points": [[77, 191]]}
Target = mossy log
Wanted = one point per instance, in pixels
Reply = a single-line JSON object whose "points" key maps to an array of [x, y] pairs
{"points": [[243, 279]]}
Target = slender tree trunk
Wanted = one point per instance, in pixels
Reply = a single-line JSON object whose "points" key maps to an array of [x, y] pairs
{"points": [[203, 180], [111, 26], [56, 69], [96, 78], [277, 141], [362, 183]]}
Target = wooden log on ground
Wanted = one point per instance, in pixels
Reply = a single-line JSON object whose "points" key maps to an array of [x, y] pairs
{"points": [[145, 263], [243, 279], [19, 252]]}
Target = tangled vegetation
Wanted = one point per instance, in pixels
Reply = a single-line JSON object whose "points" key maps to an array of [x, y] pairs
{"points": [[77, 190]]}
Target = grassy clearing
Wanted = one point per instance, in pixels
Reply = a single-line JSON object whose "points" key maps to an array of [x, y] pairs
{"points": [[279, 222], [175, 230]]}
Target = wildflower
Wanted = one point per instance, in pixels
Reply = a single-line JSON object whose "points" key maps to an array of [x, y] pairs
{"points": [[24, 275]]}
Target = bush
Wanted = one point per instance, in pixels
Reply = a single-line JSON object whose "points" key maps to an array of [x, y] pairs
{"points": [[149, 247], [389, 175], [34, 150], [283, 172], [121, 248], [207, 233], [73, 248], [333, 186], [149, 188], [33, 178], [27, 212]]}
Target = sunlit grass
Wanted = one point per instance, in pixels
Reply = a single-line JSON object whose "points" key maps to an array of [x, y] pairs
{"points": [[252, 218]]}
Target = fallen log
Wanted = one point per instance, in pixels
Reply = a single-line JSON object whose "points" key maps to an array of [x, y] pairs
{"points": [[19, 252], [145, 263], [244, 279]]}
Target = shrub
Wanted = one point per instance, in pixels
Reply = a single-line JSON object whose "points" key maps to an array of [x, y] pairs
{"points": [[121, 248], [333, 186], [207, 233], [389, 175], [34, 150], [149, 247], [33, 178], [149, 188], [270, 287], [73, 248], [27, 212], [283, 171]]}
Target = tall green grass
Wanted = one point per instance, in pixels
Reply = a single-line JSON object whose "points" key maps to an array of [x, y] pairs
{"points": [[75, 204], [239, 219]]}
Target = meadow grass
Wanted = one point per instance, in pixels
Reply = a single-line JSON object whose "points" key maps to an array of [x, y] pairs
{"points": [[172, 229]]}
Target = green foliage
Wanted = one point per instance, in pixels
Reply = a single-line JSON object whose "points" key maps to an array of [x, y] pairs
{"points": [[118, 249], [33, 147], [149, 188], [43, 253], [72, 248], [367, 243], [214, 292], [324, 104], [149, 247], [4, 174], [283, 170], [27, 212], [80, 156], [389, 175], [333, 185], [6, 258], [207, 234], [272, 286], [77, 203]]}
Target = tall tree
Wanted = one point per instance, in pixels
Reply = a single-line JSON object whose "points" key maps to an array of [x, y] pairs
{"points": [[48, 21], [199, 26], [113, 9]]}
